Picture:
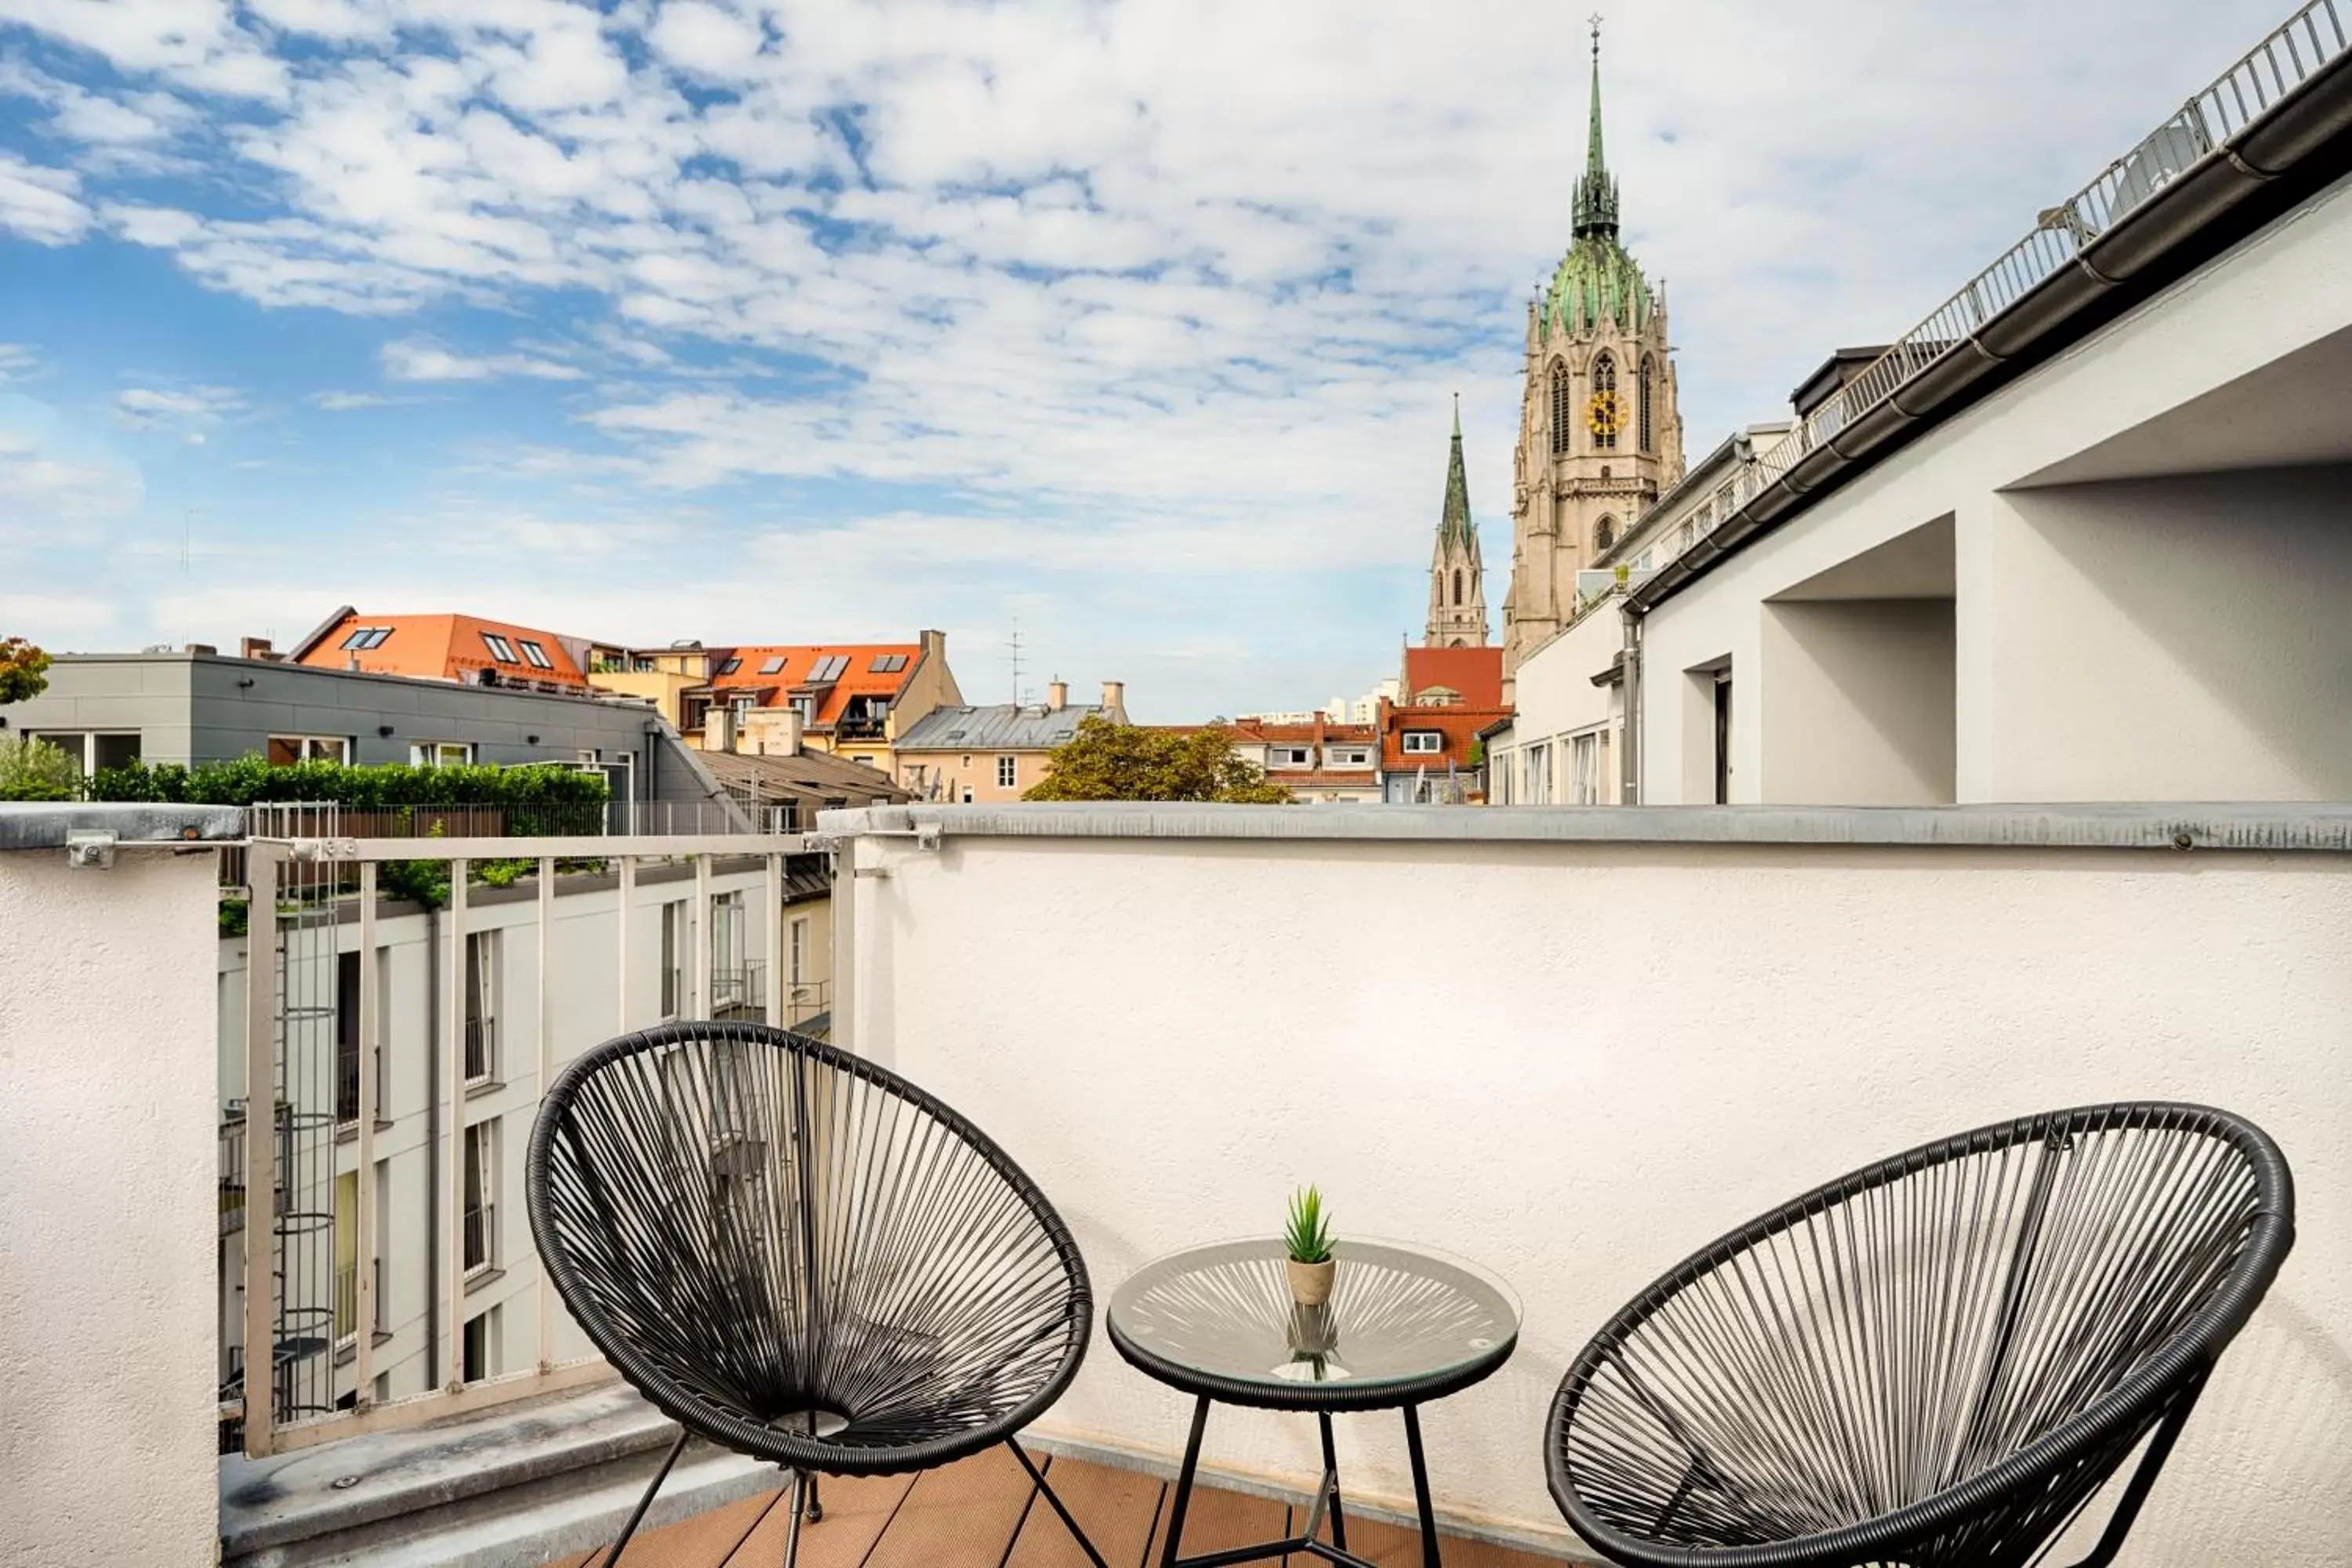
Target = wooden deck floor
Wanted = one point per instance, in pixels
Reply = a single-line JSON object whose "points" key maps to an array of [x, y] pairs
{"points": [[978, 1515]]}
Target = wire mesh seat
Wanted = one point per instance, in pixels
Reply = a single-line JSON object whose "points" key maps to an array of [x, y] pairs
{"points": [[801, 1256], [1935, 1361]]}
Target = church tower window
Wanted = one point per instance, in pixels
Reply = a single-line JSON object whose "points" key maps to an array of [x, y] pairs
{"points": [[1649, 425], [1457, 585], [1561, 410], [1605, 534], [1605, 415]]}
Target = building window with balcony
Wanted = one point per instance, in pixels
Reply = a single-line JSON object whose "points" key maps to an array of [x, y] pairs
{"points": [[1423, 742], [1008, 772], [674, 945], [441, 753], [481, 1179], [285, 751], [478, 1347], [482, 992], [347, 1257]]}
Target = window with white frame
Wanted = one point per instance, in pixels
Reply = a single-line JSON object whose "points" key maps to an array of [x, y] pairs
{"points": [[287, 750], [481, 1178], [500, 649], [482, 981], [1008, 772], [674, 948], [1423, 742], [1538, 774], [1289, 757], [1584, 769], [536, 654], [92, 750], [796, 952], [1349, 757], [441, 753], [365, 637]]}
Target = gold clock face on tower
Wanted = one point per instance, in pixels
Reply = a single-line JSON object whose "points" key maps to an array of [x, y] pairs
{"points": [[1604, 416]]}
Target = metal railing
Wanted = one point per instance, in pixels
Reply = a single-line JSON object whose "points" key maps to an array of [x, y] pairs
{"points": [[323, 897], [807, 999], [2289, 56], [481, 1049]]}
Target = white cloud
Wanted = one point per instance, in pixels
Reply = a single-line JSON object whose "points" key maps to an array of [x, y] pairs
{"points": [[346, 402], [53, 485], [40, 204], [18, 362], [412, 358], [190, 410]]}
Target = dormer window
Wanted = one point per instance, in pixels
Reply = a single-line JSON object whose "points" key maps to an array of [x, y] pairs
{"points": [[1423, 742]]}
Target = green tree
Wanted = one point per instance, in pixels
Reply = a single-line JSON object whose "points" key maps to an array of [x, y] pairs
{"points": [[24, 670], [34, 769], [1125, 762]]}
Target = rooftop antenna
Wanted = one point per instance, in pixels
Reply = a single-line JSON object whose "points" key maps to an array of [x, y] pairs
{"points": [[1016, 646]]}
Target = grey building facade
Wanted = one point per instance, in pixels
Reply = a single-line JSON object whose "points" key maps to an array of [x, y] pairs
{"points": [[198, 706]]}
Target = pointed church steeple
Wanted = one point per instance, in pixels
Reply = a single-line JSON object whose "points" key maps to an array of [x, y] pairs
{"points": [[1596, 192], [1457, 577]]}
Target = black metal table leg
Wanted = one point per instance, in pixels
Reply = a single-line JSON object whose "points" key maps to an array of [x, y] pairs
{"points": [[1429, 1557], [1331, 1470], [1184, 1482]]}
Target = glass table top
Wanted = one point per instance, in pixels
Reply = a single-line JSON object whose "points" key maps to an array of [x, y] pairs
{"points": [[1403, 1320]]}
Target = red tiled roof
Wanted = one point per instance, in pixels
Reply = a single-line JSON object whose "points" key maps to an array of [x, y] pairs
{"points": [[794, 664], [1477, 673], [442, 648], [1459, 726]]}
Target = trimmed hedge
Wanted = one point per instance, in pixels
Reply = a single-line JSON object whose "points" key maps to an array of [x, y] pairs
{"points": [[551, 787]]}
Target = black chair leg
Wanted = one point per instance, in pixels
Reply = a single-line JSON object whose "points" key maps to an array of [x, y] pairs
{"points": [[637, 1518], [1038, 1475], [800, 1489], [815, 1509]]}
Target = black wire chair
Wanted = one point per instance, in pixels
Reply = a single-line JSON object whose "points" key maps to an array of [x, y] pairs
{"points": [[1935, 1361], [803, 1258]]}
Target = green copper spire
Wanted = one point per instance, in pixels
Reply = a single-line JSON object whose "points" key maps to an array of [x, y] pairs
{"points": [[1454, 523], [1596, 193]]}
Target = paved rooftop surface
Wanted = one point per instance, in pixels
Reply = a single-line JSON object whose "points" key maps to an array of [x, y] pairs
{"points": [[981, 1513]]}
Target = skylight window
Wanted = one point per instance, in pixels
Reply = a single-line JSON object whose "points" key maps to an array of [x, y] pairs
{"points": [[537, 654], [887, 664], [365, 637], [830, 667], [730, 666], [773, 666], [500, 649]]}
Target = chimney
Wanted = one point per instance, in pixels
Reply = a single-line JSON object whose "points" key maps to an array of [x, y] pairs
{"points": [[1057, 695], [935, 645], [719, 728], [792, 728], [1115, 700], [203, 647], [255, 647]]}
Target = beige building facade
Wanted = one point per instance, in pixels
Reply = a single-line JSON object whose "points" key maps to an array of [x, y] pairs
{"points": [[982, 755], [1600, 436]]}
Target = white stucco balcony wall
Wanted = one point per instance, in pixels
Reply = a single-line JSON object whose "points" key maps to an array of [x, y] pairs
{"points": [[107, 1195], [1656, 1024]]}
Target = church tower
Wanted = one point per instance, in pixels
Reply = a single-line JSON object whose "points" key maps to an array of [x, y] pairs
{"points": [[1599, 436], [1457, 578]]}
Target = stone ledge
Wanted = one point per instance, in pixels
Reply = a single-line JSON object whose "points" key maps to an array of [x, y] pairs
{"points": [[43, 825]]}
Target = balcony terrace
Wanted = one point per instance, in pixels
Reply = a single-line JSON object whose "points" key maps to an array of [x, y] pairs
{"points": [[1569, 1044]]}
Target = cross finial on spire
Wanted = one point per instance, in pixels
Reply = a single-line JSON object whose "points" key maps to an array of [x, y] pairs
{"points": [[1595, 20]]}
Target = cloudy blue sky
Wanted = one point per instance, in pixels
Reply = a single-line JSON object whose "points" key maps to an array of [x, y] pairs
{"points": [[1133, 322]]}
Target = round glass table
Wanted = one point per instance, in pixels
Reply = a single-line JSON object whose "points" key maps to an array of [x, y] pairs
{"points": [[1404, 1325]]}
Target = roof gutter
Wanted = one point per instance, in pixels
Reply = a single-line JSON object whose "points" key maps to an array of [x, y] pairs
{"points": [[2300, 145]]}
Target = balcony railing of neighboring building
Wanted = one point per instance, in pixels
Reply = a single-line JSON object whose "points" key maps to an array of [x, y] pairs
{"points": [[302, 1303], [807, 1000], [481, 1050], [2297, 50]]}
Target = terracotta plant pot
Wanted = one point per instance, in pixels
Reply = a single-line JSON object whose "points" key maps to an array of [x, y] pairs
{"points": [[1310, 1283]]}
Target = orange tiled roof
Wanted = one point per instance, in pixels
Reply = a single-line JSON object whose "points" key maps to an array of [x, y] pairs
{"points": [[442, 648], [1459, 726], [1476, 672], [739, 669]]}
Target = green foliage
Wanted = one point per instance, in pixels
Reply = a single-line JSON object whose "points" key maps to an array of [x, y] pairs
{"points": [[24, 670], [1308, 1233], [542, 798], [1125, 762], [234, 917], [34, 769]]}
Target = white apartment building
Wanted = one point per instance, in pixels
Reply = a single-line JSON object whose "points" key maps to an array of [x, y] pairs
{"points": [[590, 996]]}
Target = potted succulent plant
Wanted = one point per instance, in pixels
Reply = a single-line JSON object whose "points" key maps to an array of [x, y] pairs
{"points": [[1308, 1239]]}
